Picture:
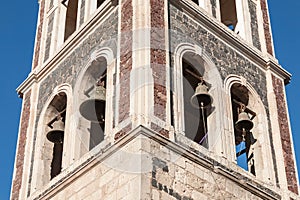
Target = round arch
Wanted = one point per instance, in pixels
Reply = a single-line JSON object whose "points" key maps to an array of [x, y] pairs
{"points": [[261, 148], [206, 67], [61, 97], [101, 61]]}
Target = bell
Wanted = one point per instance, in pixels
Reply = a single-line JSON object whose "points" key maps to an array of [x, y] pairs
{"points": [[56, 135], [244, 123], [201, 98], [93, 109]]}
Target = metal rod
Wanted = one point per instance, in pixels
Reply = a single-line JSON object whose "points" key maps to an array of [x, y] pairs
{"points": [[86, 92], [194, 75], [56, 118], [204, 126], [99, 81], [247, 110]]}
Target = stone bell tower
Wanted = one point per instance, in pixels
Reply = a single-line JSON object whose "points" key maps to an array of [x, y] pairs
{"points": [[154, 99]]}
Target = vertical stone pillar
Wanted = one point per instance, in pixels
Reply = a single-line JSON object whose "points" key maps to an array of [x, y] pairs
{"points": [[20, 152], [37, 47], [158, 60], [286, 138], [267, 28], [126, 15], [125, 58]]}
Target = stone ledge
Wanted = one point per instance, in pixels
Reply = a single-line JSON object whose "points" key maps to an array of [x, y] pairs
{"points": [[105, 150]]}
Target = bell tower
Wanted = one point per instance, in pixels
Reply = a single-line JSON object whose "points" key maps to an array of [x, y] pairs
{"points": [[154, 99]]}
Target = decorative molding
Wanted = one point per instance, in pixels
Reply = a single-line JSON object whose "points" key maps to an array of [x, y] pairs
{"points": [[40, 72], [234, 40], [105, 150]]}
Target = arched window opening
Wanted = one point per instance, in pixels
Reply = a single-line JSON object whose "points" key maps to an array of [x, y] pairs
{"points": [[56, 117], [94, 104], [195, 115], [228, 13], [99, 3], [71, 18], [244, 139]]}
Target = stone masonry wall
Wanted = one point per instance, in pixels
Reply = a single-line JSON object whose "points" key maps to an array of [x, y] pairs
{"points": [[69, 69], [82, 12], [112, 176], [39, 35], [254, 25], [226, 59], [268, 37], [49, 35], [285, 135], [17, 181], [174, 176], [125, 58], [158, 57], [146, 168]]}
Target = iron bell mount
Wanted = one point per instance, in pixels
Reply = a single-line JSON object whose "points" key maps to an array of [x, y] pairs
{"points": [[93, 109], [244, 123], [56, 135]]}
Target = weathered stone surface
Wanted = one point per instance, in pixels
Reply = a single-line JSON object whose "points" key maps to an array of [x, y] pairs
{"points": [[20, 154], [268, 37], [37, 48], [254, 25], [69, 69], [226, 59], [49, 36], [285, 135], [125, 58], [158, 56], [82, 11]]}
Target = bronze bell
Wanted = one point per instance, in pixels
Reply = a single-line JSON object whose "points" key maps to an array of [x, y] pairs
{"points": [[201, 97], [243, 123], [56, 135], [93, 109]]}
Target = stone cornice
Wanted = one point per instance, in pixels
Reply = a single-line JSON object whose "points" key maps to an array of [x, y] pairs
{"points": [[271, 65], [264, 61], [105, 150], [41, 71]]}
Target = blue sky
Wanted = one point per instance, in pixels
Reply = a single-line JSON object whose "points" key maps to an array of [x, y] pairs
{"points": [[18, 22]]}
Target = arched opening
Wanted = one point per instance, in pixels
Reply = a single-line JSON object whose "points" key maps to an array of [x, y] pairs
{"points": [[242, 116], [55, 118], [228, 13], [71, 18], [92, 105], [251, 152], [194, 68], [196, 126]]}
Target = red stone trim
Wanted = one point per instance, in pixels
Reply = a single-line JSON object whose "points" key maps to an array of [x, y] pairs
{"points": [[123, 132], [160, 130], [39, 35], [125, 58], [266, 25], [289, 161], [17, 182], [158, 57]]}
